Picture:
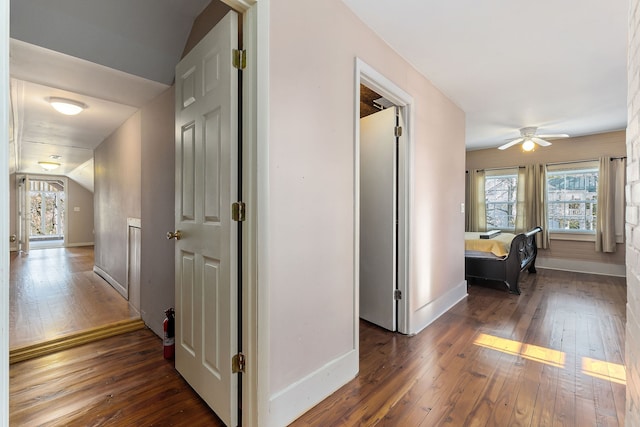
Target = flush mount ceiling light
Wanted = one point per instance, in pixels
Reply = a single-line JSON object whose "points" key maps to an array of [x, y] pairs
{"points": [[49, 165], [66, 106]]}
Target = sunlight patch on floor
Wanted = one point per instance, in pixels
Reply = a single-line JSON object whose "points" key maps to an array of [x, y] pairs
{"points": [[601, 369], [613, 372]]}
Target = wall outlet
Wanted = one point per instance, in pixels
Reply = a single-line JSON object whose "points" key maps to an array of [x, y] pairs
{"points": [[76, 208], [461, 207]]}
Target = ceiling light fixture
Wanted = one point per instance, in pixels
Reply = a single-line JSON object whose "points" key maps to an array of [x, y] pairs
{"points": [[49, 165], [66, 106], [528, 145]]}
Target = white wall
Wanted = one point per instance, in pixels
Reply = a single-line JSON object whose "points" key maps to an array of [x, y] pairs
{"points": [[308, 201], [632, 341]]}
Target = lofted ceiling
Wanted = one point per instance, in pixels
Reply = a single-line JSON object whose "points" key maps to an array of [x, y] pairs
{"points": [[560, 66], [114, 56], [508, 64]]}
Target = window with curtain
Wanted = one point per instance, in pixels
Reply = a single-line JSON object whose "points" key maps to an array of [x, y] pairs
{"points": [[501, 199], [572, 197]]}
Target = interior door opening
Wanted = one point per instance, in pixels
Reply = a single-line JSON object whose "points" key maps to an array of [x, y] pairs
{"points": [[379, 213], [42, 210], [382, 183]]}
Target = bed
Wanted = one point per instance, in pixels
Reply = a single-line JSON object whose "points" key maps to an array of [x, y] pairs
{"points": [[502, 257]]}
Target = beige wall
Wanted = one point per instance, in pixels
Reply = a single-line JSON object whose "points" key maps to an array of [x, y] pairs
{"points": [[157, 208], [80, 222], [632, 343], [308, 198], [116, 196], [589, 147]]}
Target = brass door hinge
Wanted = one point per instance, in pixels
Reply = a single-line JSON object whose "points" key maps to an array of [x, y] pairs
{"points": [[397, 131], [238, 362], [238, 211], [239, 59]]}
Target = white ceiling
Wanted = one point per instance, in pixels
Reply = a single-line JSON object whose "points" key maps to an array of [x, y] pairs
{"points": [[115, 56], [557, 65], [560, 66]]}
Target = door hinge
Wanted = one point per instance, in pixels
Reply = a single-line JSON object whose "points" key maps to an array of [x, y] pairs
{"points": [[238, 212], [238, 362], [397, 294], [397, 132], [239, 59]]}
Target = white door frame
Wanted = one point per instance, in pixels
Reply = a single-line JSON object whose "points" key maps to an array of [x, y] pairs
{"points": [[4, 215], [368, 76], [255, 41]]}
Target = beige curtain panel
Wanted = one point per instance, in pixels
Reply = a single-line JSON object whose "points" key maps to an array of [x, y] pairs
{"points": [[610, 196], [531, 210], [476, 212]]}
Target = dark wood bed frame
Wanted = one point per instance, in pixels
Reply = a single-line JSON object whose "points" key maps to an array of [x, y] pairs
{"points": [[522, 254]]}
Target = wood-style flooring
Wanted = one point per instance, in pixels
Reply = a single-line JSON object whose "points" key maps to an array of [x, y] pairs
{"points": [[54, 292], [551, 356]]}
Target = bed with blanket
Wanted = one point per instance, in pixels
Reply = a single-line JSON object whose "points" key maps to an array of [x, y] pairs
{"points": [[501, 257]]}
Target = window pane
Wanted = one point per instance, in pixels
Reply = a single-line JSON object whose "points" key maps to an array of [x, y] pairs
{"points": [[500, 193], [572, 199]]}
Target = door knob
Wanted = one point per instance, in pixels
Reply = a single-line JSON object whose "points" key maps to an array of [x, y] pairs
{"points": [[174, 235], [12, 238]]}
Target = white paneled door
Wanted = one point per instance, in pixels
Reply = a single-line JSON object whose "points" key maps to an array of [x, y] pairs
{"points": [[206, 243], [378, 216]]}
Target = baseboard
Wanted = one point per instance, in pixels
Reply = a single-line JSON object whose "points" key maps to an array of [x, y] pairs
{"points": [[425, 315], [20, 354], [290, 403], [110, 280], [579, 266], [75, 245]]}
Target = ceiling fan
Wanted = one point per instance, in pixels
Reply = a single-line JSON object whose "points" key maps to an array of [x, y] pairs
{"points": [[529, 138]]}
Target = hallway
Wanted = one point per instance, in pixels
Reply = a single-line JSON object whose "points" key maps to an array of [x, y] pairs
{"points": [[54, 293]]}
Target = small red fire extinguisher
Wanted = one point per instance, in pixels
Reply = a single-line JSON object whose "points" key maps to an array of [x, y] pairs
{"points": [[169, 341]]}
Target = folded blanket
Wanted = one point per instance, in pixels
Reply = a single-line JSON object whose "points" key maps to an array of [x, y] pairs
{"points": [[498, 245]]}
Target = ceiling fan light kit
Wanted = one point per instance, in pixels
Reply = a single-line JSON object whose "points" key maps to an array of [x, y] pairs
{"points": [[529, 139], [66, 106]]}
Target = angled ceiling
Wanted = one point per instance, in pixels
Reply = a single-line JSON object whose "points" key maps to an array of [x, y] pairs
{"points": [[115, 56], [560, 66], [507, 64]]}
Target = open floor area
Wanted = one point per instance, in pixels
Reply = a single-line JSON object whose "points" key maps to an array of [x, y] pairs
{"points": [[550, 356], [54, 293]]}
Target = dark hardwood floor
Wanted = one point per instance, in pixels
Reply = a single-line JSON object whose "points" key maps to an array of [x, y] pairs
{"points": [[118, 381], [54, 293], [551, 356]]}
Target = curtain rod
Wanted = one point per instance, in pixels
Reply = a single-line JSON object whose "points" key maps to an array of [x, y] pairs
{"points": [[552, 164]]}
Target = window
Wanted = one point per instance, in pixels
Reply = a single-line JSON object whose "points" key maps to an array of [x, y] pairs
{"points": [[501, 199], [572, 199]]}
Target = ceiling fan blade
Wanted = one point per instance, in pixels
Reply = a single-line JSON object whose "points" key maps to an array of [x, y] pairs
{"points": [[553, 135], [510, 143], [541, 142]]}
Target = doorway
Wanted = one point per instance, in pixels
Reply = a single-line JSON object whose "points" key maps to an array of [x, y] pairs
{"points": [[385, 302], [43, 212]]}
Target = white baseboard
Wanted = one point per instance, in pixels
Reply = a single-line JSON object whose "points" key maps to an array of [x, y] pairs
{"points": [[426, 314], [579, 266], [74, 245], [110, 280], [288, 404]]}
